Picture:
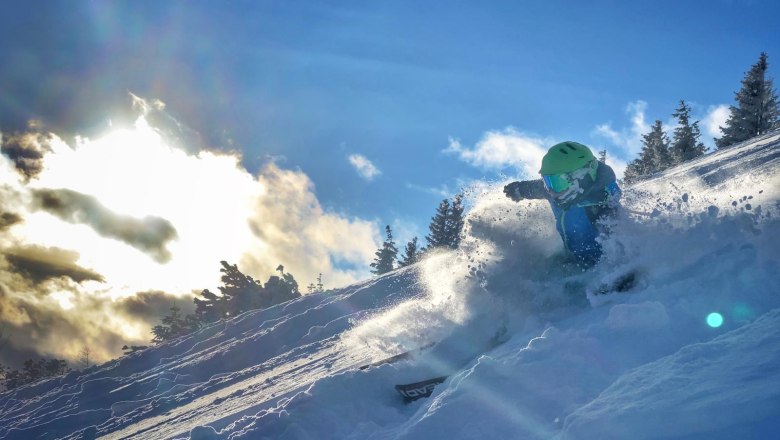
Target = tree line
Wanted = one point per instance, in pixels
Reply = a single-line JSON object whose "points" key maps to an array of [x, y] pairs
{"points": [[445, 232], [756, 112], [238, 293]]}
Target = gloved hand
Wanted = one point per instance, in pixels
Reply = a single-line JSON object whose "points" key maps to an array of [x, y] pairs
{"points": [[514, 191]]}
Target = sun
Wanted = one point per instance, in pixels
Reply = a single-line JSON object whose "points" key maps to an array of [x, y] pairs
{"points": [[134, 173]]}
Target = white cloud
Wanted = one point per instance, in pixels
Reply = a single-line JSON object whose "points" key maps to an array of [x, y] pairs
{"points": [[506, 148], [363, 166], [617, 165], [219, 212], [628, 140], [290, 227], [714, 119]]}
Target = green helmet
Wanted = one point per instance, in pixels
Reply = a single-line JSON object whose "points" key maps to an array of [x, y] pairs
{"points": [[565, 158]]}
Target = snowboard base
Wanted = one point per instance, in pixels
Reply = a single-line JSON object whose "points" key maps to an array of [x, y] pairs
{"points": [[413, 391]]}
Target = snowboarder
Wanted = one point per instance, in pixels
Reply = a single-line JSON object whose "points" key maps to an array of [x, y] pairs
{"points": [[581, 190]]}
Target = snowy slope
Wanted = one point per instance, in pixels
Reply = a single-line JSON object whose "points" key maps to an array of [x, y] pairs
{"points": [[570, 365]]}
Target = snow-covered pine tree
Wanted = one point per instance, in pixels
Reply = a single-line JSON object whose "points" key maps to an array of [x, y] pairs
{"points": [[385, 256], [411, 254], [654, 156], [174, 326], [757, 109], [278, 289], [242, 292], [447, 225], [438, 227], [455, 222], [657, 144], [211, 307], [685, 143], [635, 171]]}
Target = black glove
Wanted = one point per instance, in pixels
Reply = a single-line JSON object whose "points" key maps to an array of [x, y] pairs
{"points": [[526, 190], [514, 191]]}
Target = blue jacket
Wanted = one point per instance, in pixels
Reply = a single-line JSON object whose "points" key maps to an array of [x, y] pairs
{"points": [[577, 222]]}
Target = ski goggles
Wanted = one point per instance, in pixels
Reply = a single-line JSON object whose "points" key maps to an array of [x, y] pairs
{"points": [[556, 182]]}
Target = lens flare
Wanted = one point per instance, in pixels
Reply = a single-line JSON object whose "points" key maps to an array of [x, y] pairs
{"points": [[714, 319]]}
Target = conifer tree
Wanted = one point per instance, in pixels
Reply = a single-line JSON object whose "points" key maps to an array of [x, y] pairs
{"points": [[455, 222], [385, 256], [657, 144], [685, 143], [211, 307], [438, 236], [654, 156], [635, 171], [447, 225], [757, 110], [174, 325], [278, 290], [316, 288], [603, 156], [241, 293], [411, 254]]}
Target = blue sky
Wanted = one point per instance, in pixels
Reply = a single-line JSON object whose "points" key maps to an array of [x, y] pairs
{"points": [[390, 84]]}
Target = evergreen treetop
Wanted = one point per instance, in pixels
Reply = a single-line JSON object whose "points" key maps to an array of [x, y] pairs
{"points": [[656, 148], [757, 108], [455, 222], [654, 157], [411, 254], [438, 235], [685, 143], [447, 224], [241, 293], [385, 256]]}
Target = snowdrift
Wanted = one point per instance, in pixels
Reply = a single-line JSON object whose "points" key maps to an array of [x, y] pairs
{"points": [[690, 352]]}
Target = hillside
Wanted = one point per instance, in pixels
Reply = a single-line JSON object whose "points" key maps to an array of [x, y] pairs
{"points": [[691, 352]]}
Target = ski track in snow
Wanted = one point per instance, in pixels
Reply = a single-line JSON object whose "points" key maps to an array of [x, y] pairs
{"points": [[704, 238]]}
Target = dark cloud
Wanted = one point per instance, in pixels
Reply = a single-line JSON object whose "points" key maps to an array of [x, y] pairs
{"points": [[39, 264], [149, 234], [8, 219], [26, 151], [37, 329], [151, 306]]}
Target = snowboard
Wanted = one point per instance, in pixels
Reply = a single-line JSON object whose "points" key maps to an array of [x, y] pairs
{"points": [[413, 391], [456, 356]]}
